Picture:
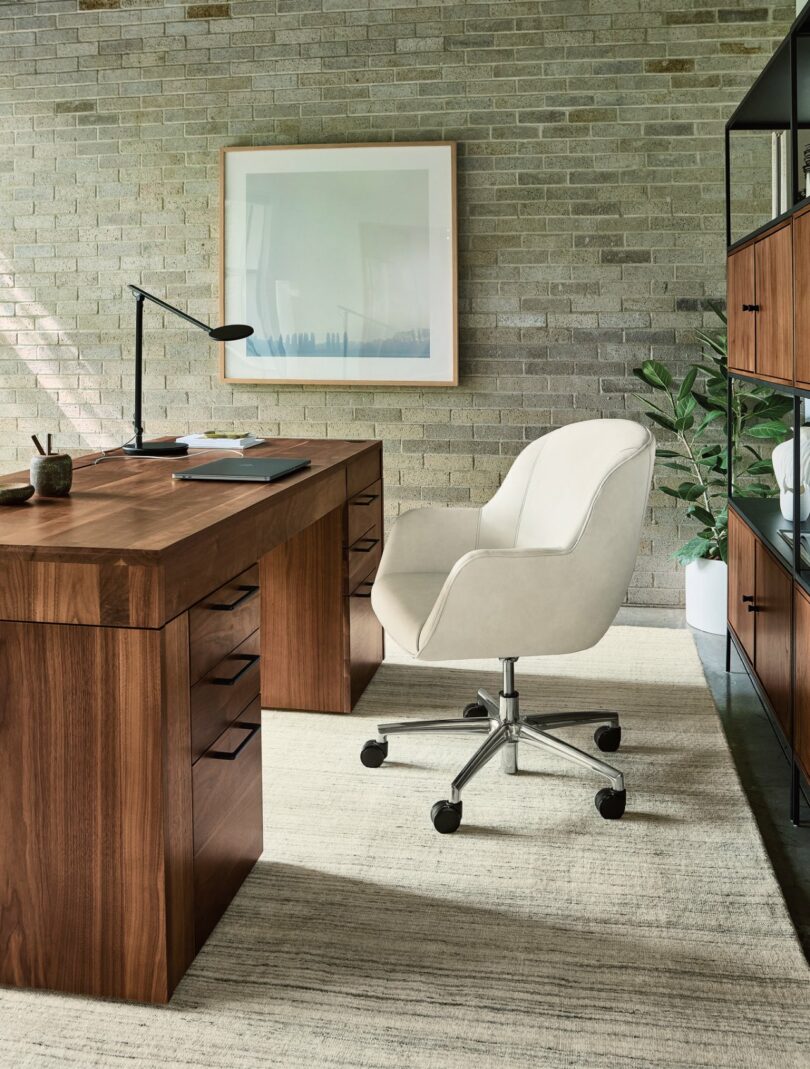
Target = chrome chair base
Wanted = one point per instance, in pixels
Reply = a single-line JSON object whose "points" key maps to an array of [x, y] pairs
{"points": [[506, 730]]}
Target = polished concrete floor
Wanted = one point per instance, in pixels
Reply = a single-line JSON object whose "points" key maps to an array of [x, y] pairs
{"points": [[762, 766]]}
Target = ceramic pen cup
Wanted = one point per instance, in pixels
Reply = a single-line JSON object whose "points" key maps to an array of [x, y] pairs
{"points": [[52, 476]]}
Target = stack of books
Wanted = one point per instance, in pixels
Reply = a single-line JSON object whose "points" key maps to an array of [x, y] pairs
{"points": [[221, 440]]}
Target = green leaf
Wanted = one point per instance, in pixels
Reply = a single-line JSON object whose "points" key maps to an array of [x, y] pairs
{"points": [[695, 549], [685, 406], [675, 466], [687, 384], [656, 375], [710, 404], [709, 418], [697, 512], [684, 491], [771, 429], [662, 421], [759, 467], [670, 453]]}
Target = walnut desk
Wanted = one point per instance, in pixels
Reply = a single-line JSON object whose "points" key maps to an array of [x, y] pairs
{"points": [[144, 621]]}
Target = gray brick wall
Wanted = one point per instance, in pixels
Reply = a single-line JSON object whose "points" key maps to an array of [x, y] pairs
{"points": [[590, 208]]}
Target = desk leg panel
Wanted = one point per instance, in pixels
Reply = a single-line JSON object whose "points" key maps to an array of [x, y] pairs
{"points": [[83, 796], [303, 627]]}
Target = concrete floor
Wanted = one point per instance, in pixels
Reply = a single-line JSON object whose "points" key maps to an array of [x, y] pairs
{"points": [[762, 766]]}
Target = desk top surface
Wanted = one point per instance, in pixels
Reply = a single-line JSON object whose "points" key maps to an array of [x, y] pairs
{"points": [[133, 505]]}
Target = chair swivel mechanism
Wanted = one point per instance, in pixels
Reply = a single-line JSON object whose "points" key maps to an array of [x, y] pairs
{"points": [[541, 569]]}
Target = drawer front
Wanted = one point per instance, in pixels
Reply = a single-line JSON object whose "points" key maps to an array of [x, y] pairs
{"points": [[365, 640], [221, 695], [227, 821], [220, 622], [364, 556], [364, 511], [363, 471]]}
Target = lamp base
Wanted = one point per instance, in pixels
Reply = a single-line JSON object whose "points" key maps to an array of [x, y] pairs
{"points": [[157, 449]]}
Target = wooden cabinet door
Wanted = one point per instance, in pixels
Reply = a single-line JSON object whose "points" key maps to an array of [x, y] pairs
{"points": [[741, 587], [801, 697], [774, 317], [801, 287], [741, 298], [774, 615]]}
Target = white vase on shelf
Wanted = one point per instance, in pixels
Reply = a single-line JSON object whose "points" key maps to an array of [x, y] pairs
{"points": [[782, 459], [707, 595]]}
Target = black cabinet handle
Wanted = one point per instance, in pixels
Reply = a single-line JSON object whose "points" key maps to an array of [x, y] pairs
{"points": [[750, 307], [753, 608], [364, 499], [231, 755], [747, 597], [372, 542], [356, 593], [251, 660], [249, 592]]}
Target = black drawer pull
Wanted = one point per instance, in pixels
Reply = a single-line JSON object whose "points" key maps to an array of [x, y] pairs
{"points": [[357, 548], [356, 593], [750, 307], [747, 597], [251, 659], [231, 755], [249, 592], [754, 608], [364, 499]]}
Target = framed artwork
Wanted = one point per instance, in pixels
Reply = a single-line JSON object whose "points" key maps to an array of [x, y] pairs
{"points": [[343, 260]]}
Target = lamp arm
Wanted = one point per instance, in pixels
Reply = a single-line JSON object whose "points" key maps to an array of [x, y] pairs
{"points": [[140, 294]]}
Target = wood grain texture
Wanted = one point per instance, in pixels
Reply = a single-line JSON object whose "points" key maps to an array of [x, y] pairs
{"points": [[82, 851], [364, 510], [801, 283], [741, 324], [364, 641], [177, 795], [213, 631], [774, 319], [302, 620], [214, 706], [741, 581], [142, 548], [228, 835], [774, 595], [801, 697]]}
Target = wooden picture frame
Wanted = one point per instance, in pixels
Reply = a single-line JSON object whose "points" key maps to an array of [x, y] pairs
{"points": [[357, 247]]}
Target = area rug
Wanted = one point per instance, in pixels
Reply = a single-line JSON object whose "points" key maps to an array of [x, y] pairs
{"points": [[538, 935]]}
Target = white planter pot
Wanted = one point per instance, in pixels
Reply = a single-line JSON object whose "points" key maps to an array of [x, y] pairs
{"points": [[706, 595]]}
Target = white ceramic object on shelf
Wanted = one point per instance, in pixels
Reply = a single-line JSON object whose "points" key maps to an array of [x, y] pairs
{"points": [[707, 595], [782, 459]]}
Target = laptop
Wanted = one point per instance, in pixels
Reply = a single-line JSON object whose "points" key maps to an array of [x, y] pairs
{"points": [[244, 470]]}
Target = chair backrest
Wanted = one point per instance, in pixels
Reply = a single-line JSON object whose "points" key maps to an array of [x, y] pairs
{"points": [[548, 494]]}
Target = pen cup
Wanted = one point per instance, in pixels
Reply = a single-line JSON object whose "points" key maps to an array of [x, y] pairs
{"points": [[52, 476]]}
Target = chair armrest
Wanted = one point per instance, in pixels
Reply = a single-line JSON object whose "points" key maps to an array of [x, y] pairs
{"points": [[519, 602], [430, 540]]}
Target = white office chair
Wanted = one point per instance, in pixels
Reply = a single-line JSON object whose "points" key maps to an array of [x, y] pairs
{"points": [[542, 568]]}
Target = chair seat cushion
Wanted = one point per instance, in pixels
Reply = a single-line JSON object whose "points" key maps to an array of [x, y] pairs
{"points": [[403, 602]]}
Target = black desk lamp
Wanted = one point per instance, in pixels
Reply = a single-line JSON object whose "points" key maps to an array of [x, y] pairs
{"points": [[231, 332]]}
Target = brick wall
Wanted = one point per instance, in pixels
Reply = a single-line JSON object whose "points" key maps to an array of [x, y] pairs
{"points": [[590, 208]]}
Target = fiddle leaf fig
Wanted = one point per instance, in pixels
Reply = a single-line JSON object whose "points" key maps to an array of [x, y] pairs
{"points": [[695, 413]]}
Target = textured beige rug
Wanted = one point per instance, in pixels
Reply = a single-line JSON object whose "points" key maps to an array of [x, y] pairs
{"points": [[538, 935]]}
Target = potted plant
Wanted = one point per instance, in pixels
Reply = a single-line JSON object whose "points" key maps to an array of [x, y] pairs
{"points": [[695, 414]]}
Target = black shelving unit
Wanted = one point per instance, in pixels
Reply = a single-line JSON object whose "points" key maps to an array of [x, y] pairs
{"points": [[779, 99]]}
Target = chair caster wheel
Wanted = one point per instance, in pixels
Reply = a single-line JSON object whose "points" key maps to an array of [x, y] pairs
{"points": [[608, 737], [475, 710], [611, 803], [374, 753], [446, 816]]}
